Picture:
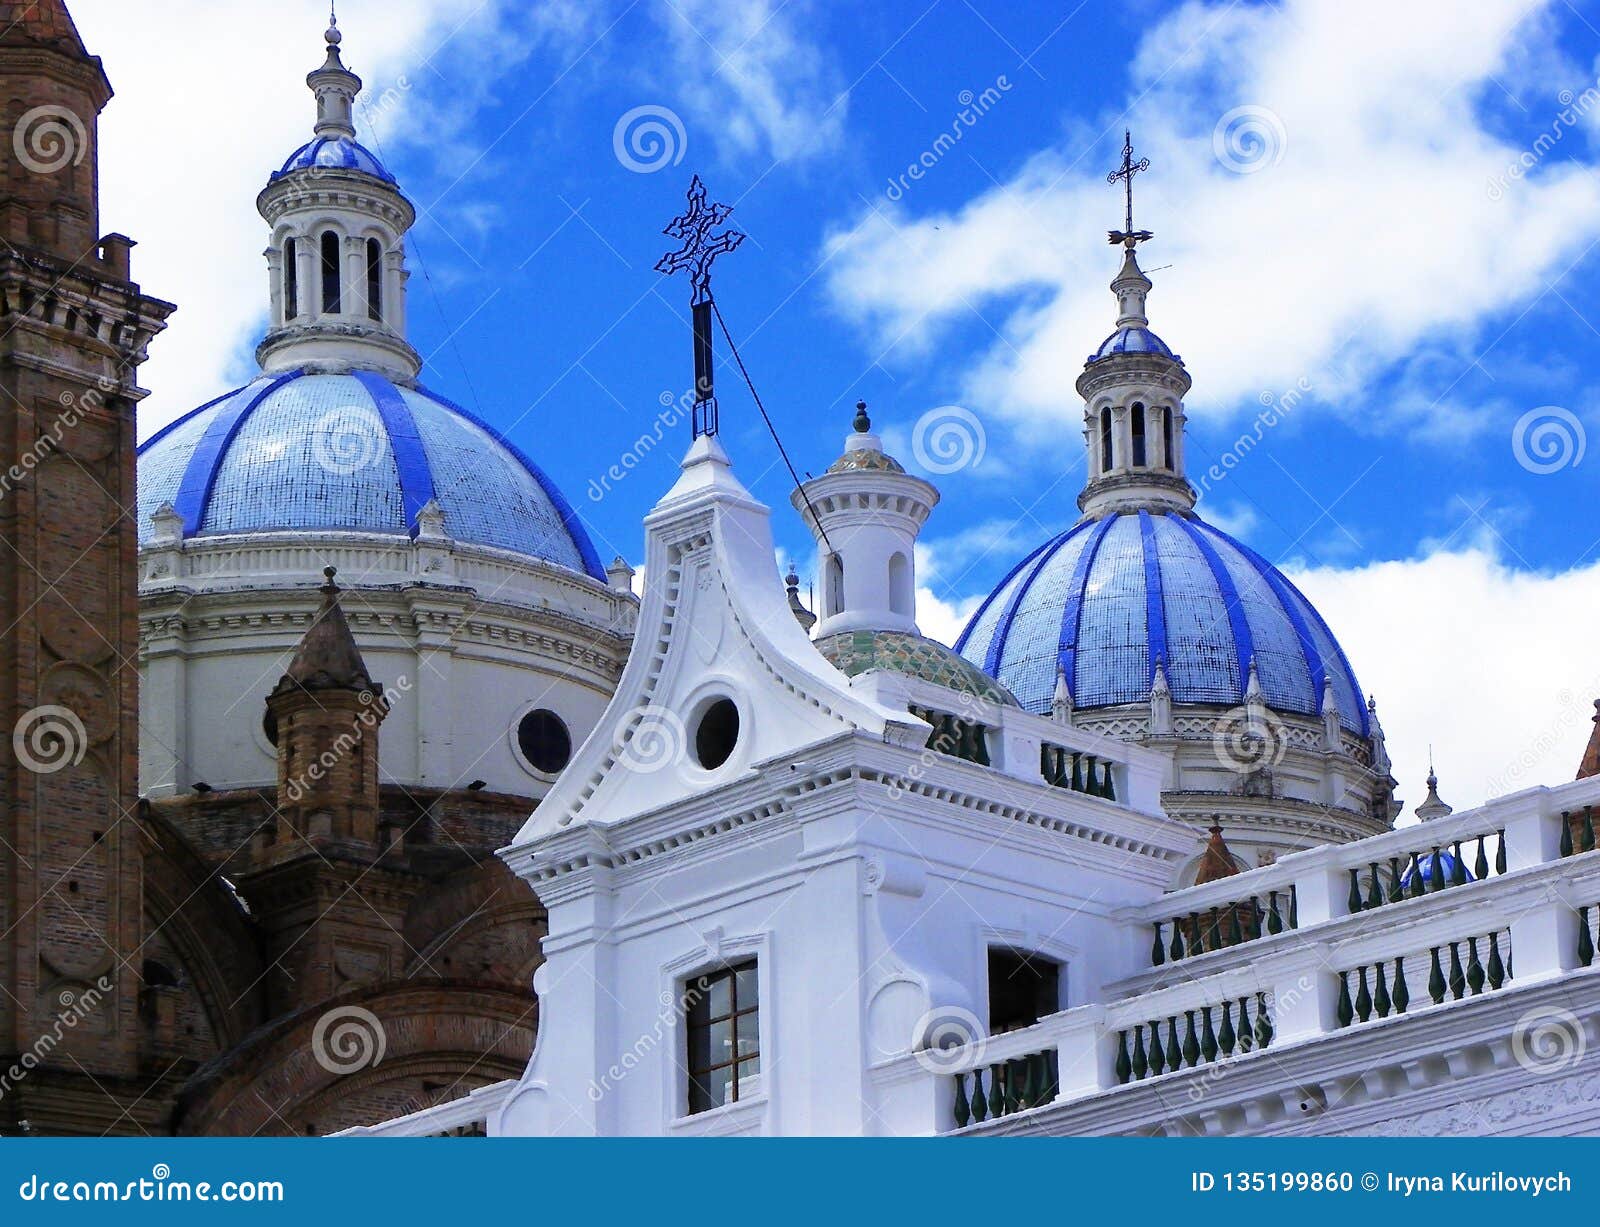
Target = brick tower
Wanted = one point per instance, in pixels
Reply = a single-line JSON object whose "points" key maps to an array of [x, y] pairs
{"points": [[72, 336]]}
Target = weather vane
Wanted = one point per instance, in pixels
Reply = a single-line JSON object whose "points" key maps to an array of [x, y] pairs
{"points": [[1128, 236], [700, 248]]}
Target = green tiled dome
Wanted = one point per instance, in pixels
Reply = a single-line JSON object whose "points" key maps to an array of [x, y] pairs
{"points": [[853, 652], [865, 458]]}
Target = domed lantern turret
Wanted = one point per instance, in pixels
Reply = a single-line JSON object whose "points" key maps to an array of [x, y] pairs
{"points": [[337, 256]]}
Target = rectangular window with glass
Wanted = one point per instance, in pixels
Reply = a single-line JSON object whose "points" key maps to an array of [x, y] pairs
{"points": [[722, 1022]]}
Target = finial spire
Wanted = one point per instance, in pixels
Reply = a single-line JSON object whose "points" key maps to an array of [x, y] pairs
{"points": [[862, 423], [1128, 236], [700, 248]]}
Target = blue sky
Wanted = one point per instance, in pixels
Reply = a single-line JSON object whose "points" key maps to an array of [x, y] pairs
{"points": [[1337, 219]]}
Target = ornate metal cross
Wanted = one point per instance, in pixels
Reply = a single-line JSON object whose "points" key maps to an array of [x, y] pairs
{"points": [[1128, 236], [700, 248]]}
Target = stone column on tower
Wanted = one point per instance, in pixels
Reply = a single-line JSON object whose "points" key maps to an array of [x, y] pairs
{"points": [[73, 333]]}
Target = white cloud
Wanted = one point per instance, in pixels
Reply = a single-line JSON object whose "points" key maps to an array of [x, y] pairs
{"points": [[942, 620], [1371, 229], [1496, 668]]}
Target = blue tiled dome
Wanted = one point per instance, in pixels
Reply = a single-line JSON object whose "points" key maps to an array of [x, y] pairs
{"points": [[1132, 340], [299, 452], [1110, 597], [339, 153]]}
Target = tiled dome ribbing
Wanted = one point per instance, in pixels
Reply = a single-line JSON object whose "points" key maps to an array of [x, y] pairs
{"points": [[1109, 597], [297, 453], [335, 153]]}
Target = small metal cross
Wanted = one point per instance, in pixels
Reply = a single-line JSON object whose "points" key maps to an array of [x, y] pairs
{"points": [[1128, 236], [700, 248]]}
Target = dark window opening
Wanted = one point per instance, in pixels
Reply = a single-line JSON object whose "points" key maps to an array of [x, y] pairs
{"points": [[544, 741], [1105, 440], [723, 1031], [1136, 422], [1023, 988], [269, 727], [716, 734], [158, 975], [374, 279], [1166, 438], [330, 273], [291, 279]]}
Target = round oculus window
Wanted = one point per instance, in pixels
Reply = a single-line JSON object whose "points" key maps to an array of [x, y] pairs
{"points": [[544, 741], [716, 734]]}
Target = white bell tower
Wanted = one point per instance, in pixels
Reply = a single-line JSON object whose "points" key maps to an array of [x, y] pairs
{"points": [[865, 513]]}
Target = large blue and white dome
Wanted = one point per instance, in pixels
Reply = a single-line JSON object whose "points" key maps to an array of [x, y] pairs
{"points": [[1110, 597], [301, 453]]}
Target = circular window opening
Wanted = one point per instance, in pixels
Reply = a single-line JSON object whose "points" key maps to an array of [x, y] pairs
{"points": [[545, 743], [716, 734]]}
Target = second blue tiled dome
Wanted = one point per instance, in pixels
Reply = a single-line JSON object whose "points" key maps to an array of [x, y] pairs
{"points": [[1108, 598]]}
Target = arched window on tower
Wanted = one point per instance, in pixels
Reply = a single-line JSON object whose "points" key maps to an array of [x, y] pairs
{"points": [[1136, 424], [330, 273], [1105, 440], [291, 278], [1166, 439], [832, 586], [902, 598], [375, 279]]}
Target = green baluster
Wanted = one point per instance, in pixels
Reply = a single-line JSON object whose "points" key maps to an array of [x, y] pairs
{"points": [[1124, 1064], [1141, 1062], [1497, 967], [1176, 950], [1111, 783], [1436, 872], [999, 1091], [980, 1104], [1588, 828], [1458, 867], [1394, 880], [1263, 1022], [963, 1108], [1402, 994], [1509, 953], [1436, 980], [1158, 1057], [1480, 866], [1417, 884], [1474, 968], [1030, 1084], [1191, 1045], [1235, 934], [1353, 902], [1197, 939], [1246, 1037], [1458, 979], [1363, 997], [1585, 942], [1158, 954], [1274, 921], [1047, 763], [1208, 1038], [1346, 1012], [1294, 907], [1374, 887], [1565, 846], [1226, 1036], [1174, 1053], [1214, 931], [1077, 773], [1380, 991], [1500, 852]]}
